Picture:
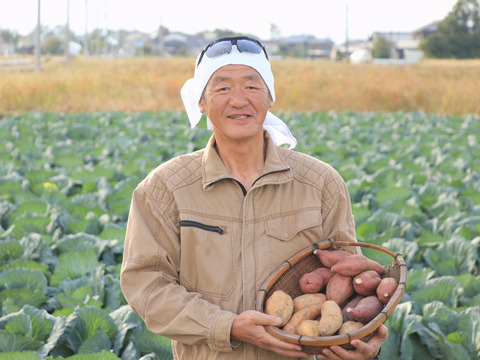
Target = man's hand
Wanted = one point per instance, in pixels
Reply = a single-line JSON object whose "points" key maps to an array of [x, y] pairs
{"points": [[249, 327], [363, 351]]}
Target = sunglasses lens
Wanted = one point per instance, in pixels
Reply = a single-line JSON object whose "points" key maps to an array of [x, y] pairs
{"points": [[249, 46], [219, 48]]}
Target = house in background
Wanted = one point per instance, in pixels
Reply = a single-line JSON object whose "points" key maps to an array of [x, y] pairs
{"points": [[424, 31], [356, 51], [6, 48], [305, 46], [404, 48]]}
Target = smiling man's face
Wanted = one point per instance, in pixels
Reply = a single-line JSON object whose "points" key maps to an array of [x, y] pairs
{"points": [[236, 100]]}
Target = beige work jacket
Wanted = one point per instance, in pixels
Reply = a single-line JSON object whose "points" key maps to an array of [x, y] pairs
{"points": [[198, 247]]}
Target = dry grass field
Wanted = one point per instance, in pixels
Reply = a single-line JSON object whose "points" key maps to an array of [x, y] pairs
{"points": [[153, 84]]}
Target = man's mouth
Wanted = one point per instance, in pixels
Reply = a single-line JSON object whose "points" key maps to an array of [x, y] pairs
{"points": [[238, 116]]}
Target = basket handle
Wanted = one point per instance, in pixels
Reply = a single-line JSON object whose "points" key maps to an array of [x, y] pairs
{"points": [[329, 242]]}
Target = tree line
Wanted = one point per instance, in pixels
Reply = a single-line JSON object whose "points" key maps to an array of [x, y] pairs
{"points": [[458, 35]]}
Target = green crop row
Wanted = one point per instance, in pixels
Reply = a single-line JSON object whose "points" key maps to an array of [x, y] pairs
{"points": [[65, 188]]}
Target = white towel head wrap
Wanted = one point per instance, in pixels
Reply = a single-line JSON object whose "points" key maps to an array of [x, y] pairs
{"points": [[192, 90]]}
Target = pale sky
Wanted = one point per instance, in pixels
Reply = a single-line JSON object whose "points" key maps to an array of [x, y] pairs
{"points": [[322, 18]]}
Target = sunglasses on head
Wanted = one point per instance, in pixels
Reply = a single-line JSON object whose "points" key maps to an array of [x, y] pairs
{"points": [[224, 45]]}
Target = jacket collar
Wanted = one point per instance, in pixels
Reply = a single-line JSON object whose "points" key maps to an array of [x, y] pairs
{"points": [[213, 169]]}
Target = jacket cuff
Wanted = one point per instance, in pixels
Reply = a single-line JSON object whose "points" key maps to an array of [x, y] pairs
{"points": [[220, 335]]}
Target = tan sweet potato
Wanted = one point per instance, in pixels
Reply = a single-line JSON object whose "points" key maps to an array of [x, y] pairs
{"points": [[386, 289], [305, 300], [309, 313], [308, 328], [367, 309], [330, 257], [280, 304], [331, 319], [315, 281], [366, 282], [349, 326], [350, 305], [355, 264], [339, 289]]}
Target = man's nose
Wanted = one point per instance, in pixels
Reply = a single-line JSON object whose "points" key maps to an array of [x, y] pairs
{"points": [[238, 98]]}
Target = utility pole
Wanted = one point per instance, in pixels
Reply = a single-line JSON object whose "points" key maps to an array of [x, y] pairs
{"points": [[85, 37], [346, 29], [37, 40], [67, 35], [106, 45], [97, 34], [161, 42]]}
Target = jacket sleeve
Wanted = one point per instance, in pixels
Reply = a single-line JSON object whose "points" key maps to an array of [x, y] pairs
{"points": [[150, 281], [337, 217]]}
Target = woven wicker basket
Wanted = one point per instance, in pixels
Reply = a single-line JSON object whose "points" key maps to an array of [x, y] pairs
{"points": [[286, 277]]}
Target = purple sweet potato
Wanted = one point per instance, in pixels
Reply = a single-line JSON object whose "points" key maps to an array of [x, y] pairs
{"points": [[366, 282], [355, 264], [350, 305], [366, 309], [330, 257], [315, 281], [386, 289], [339, 289]]}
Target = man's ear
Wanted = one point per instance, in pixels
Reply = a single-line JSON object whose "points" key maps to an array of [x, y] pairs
{"points": [[270, 100], [200, 105]]}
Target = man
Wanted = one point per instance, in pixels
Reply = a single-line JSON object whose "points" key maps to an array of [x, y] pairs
{"points": [[206, 229]]}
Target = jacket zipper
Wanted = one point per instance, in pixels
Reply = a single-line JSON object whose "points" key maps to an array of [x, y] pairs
{"points": [[270, 173], [216, 229], [244, 191]]}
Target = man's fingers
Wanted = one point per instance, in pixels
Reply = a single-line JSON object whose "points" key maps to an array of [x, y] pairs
{"points": [[264, 319], [286, 349], [383, 332]]}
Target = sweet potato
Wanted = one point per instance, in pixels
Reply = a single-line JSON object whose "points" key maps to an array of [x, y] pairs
{"points": [[366, 282], [331, 319], [350, 305], [311, 283], [366, 309], [330, 257], [315, 281], [339, 289], [280, 304], [325, 273], [349, 326], [386, 289], [308, 328], [355, 264], [309, 313], [305, 300]]}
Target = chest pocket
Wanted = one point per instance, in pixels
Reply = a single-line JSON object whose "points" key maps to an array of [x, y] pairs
{"points": [[208, 263], [288, 234]]}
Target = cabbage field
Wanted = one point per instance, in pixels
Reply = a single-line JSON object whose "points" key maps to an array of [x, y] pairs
{"points": [[65, 187]]}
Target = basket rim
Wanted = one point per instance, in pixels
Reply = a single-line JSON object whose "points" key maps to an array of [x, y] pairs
{"points": [[325, 341]]}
